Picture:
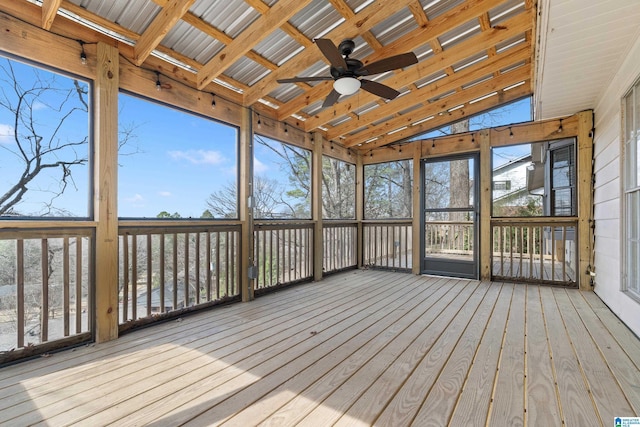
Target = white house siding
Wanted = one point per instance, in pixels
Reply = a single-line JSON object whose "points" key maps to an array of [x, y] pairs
{"points": [[608, 190]]}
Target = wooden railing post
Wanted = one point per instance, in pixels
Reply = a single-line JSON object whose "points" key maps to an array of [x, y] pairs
{"points": [[359, 208], [247, 264], [106, 191], [316, 206], [416, 241], [486, 179], [585, 198]]}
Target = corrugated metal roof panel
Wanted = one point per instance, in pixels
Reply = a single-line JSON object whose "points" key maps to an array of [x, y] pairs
{"points": [[459, 34], [316, 19], [435, 8], [394, 27], [191, 42], [469, 61], [246, 71], [277, 47], [505, 11], [133, 15], [286, 92], [232, 17]]}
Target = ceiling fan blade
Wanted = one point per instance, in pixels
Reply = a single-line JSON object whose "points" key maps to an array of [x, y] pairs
{"points": [[379, 89], [331, 99], [388, 64], [304, 79], [331, 52]]}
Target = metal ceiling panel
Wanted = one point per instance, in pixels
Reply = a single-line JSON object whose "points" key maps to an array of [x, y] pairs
{"points": [[506, 10], [395, 27], [277, 47], [286, 92], [230, 16], [317, 19], [191, 42], [459, 34], [134, 15], [246, 71], [435, 8]]}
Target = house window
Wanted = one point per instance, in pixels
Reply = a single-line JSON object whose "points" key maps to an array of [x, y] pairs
{"points": [[631, 220], [563, 183]]}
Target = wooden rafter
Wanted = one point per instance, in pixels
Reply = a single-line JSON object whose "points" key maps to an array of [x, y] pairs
{"points": [[159, 27], [49, 11], [258, 30]]}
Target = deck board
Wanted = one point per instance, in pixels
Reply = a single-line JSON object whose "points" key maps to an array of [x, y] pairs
{"points": [[358, 348]]}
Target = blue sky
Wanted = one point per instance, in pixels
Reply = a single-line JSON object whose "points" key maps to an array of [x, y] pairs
{"points": [[172, 162]]}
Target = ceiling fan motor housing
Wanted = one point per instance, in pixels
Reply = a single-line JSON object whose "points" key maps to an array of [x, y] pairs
{"points": [[352, 66]]}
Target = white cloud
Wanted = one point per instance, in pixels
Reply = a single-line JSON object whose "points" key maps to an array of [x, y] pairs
{"points": [[199, 157], [258, 166], [137, 198], [164, 193], [6, 133]]}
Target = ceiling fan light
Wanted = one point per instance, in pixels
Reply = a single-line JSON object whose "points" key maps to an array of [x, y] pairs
{"points": [[346, 85]]}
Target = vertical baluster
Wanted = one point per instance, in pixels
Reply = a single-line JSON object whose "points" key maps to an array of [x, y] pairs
{"points": [[175, 271], [44, 302], [20, 291], [553, 253], [134, 277], [187, 299], [540, 243], [218, 264], [161, 270], [125, 277], [208, 263], [227, 262], [149, 273], [78, 285], [65, 286], [562, 258], [530, 241], [196, 261]]}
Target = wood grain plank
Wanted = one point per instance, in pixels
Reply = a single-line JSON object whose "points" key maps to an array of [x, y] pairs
{"points": [[472, 406], [441, 400], [321, 378], [576, 406], [507, 405], [610, 401], [430, 357], [541, 405]]}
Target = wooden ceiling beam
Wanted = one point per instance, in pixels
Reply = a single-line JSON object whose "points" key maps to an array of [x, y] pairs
{"points": [[257, 31], [441, 106], [435, 28], [343, 9], [482, 41], [363, 21], [49, 11], [440, 87], [159, 27], [503, 97]]}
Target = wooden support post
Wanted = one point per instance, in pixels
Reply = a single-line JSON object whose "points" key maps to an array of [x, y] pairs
{"points": [[360, 207], [486, 178], [247, 264], [316, 206], [585, 196], [416, 226], [106, 191]]}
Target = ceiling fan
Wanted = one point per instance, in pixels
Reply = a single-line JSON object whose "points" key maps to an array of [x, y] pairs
{"points": [[347, 72]]}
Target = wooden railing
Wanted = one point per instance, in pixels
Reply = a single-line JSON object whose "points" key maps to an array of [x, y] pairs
{"points": [[538, 250], [446, 238], [45, 292], [340, 242], [175, 268], [283, 253], [387, 244]]}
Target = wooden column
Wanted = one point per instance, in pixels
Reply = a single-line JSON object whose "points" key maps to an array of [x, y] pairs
{"points": [[486, 178], [316, 206], [359, 207], [247, 263], [105, 192], [585, 198], [416, 225]]}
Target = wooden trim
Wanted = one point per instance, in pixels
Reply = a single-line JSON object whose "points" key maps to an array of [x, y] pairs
{"points": [[245, 186], [159, 27], [524, 133], [416, 223], [585, 197], [486, 179], [258, 30], [106, 192], [49, 11], [316, 206]]}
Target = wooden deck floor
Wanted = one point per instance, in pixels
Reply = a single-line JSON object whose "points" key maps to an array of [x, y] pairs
{"points": [[359, 348]]}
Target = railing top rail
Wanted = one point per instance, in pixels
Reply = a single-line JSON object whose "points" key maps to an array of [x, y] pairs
{"points": [[124, 231], [45, 233], [546, 220], [405, 221], [449, 222], [273, 225], [175, 223]]}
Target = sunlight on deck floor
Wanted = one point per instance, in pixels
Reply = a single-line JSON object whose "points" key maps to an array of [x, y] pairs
{"points": [[358, 348]]}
